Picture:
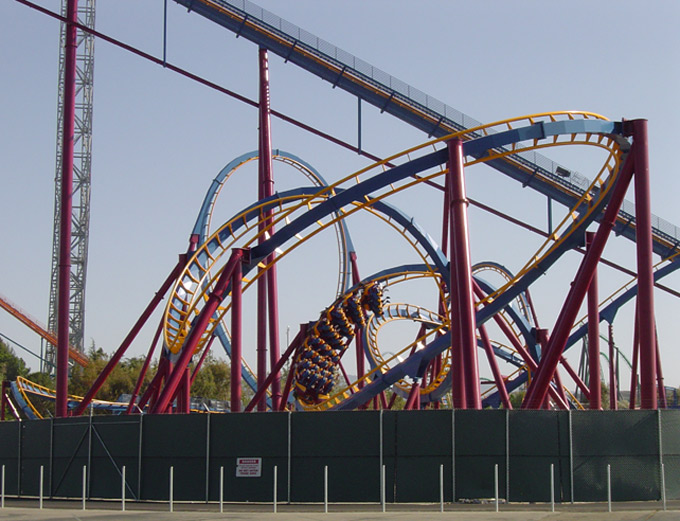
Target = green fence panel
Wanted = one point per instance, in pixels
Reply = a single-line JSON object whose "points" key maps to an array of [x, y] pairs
{"points": [[348, 443], [36, 442], [115, 443], [480, 444], [10, 450], [670, 441], [70, 446], [179, 441], [416, 444], [262, 436], [626, 440], [537, 440]]}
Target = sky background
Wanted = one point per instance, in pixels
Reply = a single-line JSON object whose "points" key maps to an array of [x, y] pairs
{"points": [[159, 138]]}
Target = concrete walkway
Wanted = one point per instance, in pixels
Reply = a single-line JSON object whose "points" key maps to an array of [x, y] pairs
{"points": [[20, 510]]}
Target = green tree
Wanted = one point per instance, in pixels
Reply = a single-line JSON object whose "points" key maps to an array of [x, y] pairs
{"points": [[604, 393], [122, 379], [516, 399], [213, 379], [43, 379], [11, 365]]}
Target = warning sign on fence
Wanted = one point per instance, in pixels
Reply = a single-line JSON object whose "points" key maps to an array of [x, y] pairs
{"points": [[248, 467]]}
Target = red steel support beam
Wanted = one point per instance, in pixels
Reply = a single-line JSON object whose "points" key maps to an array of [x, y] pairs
{"points": [[413, 400], [613, 384], [445, 217], [580, 384], [113, 361], [185, 389], [458, 363], [267, 184], [659, 373], [383, 400], [493, 363], [345, 376], [261, 336], [461, 273], [12, 408], [197, 330], [643, 241], [3, 400], [541, 383], [289, 382], [593, 337], [204, 355], [542, 337], [559, 386], [358, 337], [145, 368], [521, 349], [66, 201], [457, 367], [530, 303], [393, 399], [151, 394], [276, 370], [236, 334], [266, 295], [634, 362], [274, 346]]}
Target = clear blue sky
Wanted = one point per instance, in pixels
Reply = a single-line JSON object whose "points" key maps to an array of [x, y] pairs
{"points": [[159, 139]]}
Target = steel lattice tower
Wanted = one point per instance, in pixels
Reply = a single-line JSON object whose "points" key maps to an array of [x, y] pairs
{"points": [[82, 160]]}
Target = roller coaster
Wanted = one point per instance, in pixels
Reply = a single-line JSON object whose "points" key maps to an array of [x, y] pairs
{"points": [[469, 315]]}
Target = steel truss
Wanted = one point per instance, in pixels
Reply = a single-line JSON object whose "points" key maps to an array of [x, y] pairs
{"points": [[80, 216]]}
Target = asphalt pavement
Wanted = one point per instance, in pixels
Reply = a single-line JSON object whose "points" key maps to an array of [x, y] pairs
{"points": [[53, 510]]}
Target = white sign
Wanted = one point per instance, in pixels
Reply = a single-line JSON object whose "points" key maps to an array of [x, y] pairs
{"points": [[248, 467]]}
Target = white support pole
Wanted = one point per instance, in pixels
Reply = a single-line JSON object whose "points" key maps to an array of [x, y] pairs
{"points": [[325, 489], [441, 488], [276, 471], [122, 490], [609, 488], [382, 487], [84, 485], [495, 484], [2, 487], [221, 490], [552, 487], [41, 486], [172, 491], [663, 486]]}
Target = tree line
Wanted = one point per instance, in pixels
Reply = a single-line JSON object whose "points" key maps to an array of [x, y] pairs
{"points": [[212, 380]]}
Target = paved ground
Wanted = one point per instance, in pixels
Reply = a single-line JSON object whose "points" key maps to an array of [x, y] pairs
{"points": [[25, 510]]}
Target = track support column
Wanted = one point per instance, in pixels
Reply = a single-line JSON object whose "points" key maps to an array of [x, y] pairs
{"points": [[634, 362], [236, 336], [63, 326], [267, 286], [613, 370], [358, 337], [643, 241], [461, 274], [593, 337]]}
